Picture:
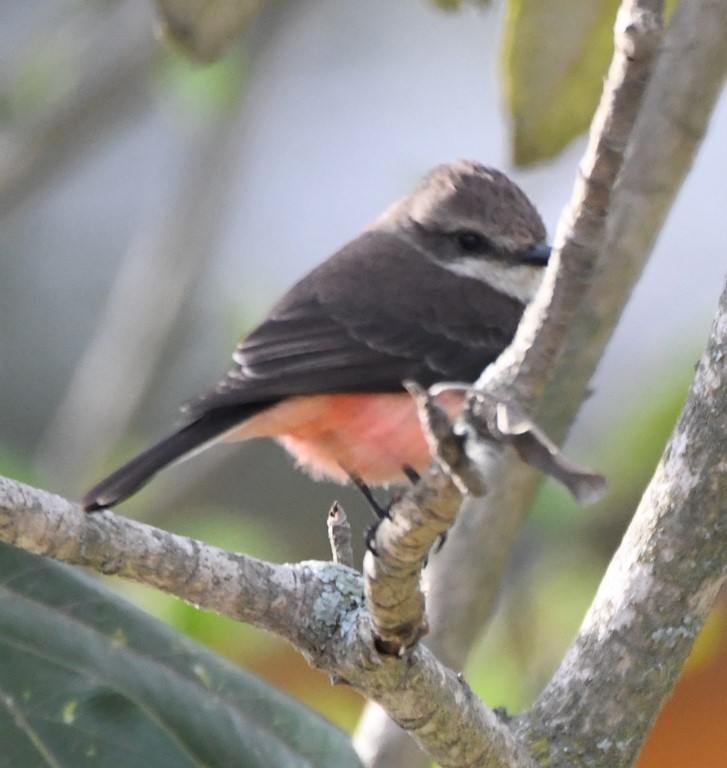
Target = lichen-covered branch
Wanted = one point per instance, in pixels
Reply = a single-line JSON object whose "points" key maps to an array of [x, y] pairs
{"points": [[600, 704], [318, 607]]}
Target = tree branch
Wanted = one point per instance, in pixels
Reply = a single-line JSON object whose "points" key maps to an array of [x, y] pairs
{"points": [[339, 535], [318, 607], [464, 580], [655, 595], [393, 574], [403, 539]]}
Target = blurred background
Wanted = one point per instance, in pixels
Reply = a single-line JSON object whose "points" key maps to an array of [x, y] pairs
{"points": [[152, 210]]}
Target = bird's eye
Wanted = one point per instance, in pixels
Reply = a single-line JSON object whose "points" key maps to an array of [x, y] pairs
{"points": [[472, 242]]}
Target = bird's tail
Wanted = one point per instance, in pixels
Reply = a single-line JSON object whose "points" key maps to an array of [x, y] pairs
{"points": [[132, 476]]}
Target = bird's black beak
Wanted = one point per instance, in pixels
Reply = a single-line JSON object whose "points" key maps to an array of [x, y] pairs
{"points": [[537, 255]]}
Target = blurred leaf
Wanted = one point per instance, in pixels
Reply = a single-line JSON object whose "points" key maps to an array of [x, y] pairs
{"points": [[263, 654], [203, 29], [86, 679], [711, 640], [555, 56], [201, 89], [455, 5]]}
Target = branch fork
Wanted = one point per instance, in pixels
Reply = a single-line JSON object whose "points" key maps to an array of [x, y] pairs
{"points": [[402, 541]]}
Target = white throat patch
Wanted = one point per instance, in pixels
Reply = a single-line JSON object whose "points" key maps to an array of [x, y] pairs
{"points": [[519, 281]]}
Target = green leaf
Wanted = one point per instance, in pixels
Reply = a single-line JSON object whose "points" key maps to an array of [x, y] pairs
{"points": [[86, 679], [556, 54]]}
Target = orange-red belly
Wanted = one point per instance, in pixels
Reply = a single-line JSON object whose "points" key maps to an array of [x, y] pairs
{"points": [[371, 436]]}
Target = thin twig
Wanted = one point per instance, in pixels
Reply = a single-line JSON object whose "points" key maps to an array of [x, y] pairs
{"points": [[339, 535]]}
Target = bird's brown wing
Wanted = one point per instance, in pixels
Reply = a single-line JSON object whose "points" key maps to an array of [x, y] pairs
{"points": [[378, 312]]}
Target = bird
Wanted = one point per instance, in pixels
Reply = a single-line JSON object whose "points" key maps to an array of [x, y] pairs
{"points": [[431, 291]]}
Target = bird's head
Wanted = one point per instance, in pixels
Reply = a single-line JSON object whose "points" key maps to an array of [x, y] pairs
{"points": [[476, 222]]}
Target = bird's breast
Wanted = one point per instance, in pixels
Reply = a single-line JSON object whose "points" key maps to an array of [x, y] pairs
{"points": [[334, 436]]}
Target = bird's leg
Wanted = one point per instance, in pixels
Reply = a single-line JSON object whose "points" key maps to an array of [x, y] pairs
{"points": [[378, 510], [383, 512], [411, 474]]}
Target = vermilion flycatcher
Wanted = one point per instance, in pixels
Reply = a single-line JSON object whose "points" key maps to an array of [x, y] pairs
{"points": [[432, 291]]}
